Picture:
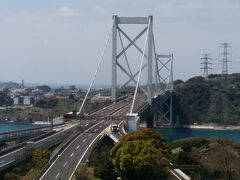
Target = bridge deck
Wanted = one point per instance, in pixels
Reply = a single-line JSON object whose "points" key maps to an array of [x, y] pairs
{"points": [[64, 166]]}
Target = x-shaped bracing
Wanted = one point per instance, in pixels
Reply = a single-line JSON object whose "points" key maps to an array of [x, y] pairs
{"points": [[124, 49], [163, 66], [164, 115]]}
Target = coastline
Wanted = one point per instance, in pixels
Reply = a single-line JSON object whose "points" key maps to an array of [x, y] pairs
{"points": [[203, 126], [17, 123], [199, 126]]}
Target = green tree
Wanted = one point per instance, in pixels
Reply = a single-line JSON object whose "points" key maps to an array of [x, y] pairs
{"points": [[45, 88], [71, 96], [104, 169], [5, 100], [217, 158], [83, 174], [46, 102], [41, 157], [203, 100], [145, 134], [141, 154]]}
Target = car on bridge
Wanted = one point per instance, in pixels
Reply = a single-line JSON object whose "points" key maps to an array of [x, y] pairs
{"points": [[114, 128]]}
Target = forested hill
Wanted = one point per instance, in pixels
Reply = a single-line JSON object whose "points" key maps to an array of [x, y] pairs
{"points": [[203, 100]]}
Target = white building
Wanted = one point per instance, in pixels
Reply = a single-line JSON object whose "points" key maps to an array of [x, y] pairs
{"points": [[23, 100], [27, 100]]}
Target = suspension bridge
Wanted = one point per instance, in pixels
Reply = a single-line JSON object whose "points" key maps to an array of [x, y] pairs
{"points": [[159, 86], [156, 92]]}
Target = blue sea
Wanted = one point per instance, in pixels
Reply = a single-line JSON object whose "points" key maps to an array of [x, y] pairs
{"points": [[6, 127], [172, 134]]}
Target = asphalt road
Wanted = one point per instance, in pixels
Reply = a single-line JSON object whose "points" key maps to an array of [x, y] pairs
{"points": [[66, 163], [20, 154], [64, 166], [12, 157]]}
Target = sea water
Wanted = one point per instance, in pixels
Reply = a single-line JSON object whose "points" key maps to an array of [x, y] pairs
{"points": [[172, 134], [6, 127]]}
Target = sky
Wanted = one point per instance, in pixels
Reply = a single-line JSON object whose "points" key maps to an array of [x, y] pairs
{"points": [[60, 41]]}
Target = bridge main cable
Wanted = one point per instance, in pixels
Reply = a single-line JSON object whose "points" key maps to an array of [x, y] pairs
{"points": [[140, 70], [98, 66]]}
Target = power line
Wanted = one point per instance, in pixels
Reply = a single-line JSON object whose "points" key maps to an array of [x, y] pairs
{"points": [[206, 64], [226, 56]]}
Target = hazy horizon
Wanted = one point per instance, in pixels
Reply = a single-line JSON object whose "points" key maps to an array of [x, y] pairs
{"points": [[60, 42]]}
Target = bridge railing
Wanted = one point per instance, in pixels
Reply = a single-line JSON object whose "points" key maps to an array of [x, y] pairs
{"points": [[17, 146], [25, 130]]}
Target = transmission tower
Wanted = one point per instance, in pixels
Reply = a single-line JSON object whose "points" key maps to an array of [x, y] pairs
{"points": [[226, 56], [206, 64]]}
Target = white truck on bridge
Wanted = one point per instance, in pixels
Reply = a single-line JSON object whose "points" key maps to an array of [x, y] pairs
{"points": [[114, 127]]}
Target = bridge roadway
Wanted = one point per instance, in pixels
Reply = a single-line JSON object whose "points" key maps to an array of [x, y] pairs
{"points": [[17, 155], [66, 163], [11, 135], [75, 153]]}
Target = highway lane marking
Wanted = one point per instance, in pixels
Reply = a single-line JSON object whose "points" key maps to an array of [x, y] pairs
{"points": [[69, 146], [85, 153], [84, 140], [12, 152], [77, 146], [95, 130], [57, 175], [65, 164], [175, 175], [90, 134], [72, 154], [53, 135], [7, 163]]}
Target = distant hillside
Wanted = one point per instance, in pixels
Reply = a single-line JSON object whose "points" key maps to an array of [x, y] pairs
{"points": [[9, 85], [203, 100]]}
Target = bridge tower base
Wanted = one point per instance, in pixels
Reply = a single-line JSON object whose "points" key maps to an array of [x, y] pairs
{"points": [[161, 111]]}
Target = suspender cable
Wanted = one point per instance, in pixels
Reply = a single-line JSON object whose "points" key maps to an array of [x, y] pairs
{"points": [[98, 66], [140, 69]]}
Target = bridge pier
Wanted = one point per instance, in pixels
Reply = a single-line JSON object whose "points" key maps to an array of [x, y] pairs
{"points": [[161, 110], [155, 117], [154, 112], [151, 116]]}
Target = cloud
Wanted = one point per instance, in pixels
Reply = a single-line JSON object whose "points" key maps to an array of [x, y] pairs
{"points": [[67, 12]]}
